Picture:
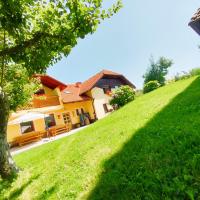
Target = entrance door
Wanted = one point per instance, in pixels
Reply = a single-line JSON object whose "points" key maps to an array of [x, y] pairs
{"points": [[67, 120]]}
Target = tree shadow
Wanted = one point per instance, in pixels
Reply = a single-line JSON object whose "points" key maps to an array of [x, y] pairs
{"points": [[162, 159], [6, 184], [47, 193]]}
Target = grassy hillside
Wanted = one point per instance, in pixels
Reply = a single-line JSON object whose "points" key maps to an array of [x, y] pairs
{"points": [[149, 149]]}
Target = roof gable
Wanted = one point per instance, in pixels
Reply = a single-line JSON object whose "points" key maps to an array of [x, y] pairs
{"points": [[90, 83], [50, 81]]}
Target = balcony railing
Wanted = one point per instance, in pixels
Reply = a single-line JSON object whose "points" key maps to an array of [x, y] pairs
{"points": [[40, 101]]}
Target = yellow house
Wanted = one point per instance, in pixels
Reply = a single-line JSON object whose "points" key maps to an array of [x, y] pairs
{"points": [[54, 99], [71, 105], [77, 105]]}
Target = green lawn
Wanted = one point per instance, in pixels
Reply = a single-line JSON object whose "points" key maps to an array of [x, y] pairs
{"points": [[149, 149]]}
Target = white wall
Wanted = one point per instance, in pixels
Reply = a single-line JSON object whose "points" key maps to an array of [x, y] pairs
{"points": [[99, 99]]}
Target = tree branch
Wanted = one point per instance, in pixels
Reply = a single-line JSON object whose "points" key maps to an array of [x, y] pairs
{"points": [[29, 43]]}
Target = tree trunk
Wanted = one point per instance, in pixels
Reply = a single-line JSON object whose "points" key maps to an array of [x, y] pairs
{"points": [[7, 165]]}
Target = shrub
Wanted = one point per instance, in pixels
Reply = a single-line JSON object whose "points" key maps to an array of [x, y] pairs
{"points": [[150, 86], [122, 96], [195, 72], [182, 76]]}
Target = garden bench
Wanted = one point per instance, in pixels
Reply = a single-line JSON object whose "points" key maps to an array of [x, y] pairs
{"points": [[58, 129], [28, 138]]}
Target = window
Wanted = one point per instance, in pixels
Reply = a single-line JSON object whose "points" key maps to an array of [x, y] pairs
{"points": [[77, 112], [27, 127], [50, 121], [82, 111], [105, 108], [66, 118], [106, 89]]}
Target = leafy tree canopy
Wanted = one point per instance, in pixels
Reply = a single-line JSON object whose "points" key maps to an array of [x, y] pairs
{"points": [[157, 70], [33, 35], [39, 32]]}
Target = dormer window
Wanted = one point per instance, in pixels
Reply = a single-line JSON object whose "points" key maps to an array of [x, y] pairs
{"points": [[67, 92]]}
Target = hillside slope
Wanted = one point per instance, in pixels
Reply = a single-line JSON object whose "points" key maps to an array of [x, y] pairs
{"points": [[149, 149]]}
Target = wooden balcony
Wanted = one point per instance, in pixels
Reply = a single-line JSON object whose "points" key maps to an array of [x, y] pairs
{"points": [[40, 101]]}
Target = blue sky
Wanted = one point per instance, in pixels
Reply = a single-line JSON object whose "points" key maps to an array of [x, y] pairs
{"points": [[125, 42]]}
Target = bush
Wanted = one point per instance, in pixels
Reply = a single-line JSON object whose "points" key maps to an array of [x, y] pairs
{"points": [[122, 96], [150, 86], [195, 72], [182, 76]]}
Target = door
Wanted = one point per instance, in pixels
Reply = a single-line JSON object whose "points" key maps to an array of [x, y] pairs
{"points": [[67, 120]]}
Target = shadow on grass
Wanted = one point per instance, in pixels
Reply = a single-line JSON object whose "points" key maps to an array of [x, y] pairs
{"points": [[5, 185], [16, 193], [47, 193], [162, 160]]}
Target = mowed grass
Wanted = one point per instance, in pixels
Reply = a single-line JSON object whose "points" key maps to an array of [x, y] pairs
{"points": [[149, 149]]}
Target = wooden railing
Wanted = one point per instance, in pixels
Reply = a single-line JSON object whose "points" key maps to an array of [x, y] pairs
{"points": [[45, 101]]}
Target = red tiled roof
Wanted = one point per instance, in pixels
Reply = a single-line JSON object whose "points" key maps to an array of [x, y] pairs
{"points": [[71, 94], [75, 92], [50, 81], [88, 84]]}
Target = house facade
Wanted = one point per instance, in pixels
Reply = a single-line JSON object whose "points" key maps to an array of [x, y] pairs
{"points": [[51, 100], [80, 107], [99, 87], [71, 105]]}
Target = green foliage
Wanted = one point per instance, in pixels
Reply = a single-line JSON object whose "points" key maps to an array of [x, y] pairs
{"points": [[185, 75], [122, 96], [182, 76], [195, 72], [19, 87], [150, 86], [41, 32], [36, 34], [149, 149], [158, 70]]}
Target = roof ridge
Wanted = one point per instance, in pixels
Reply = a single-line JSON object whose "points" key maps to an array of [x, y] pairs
{"points": [[89, 83]]}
